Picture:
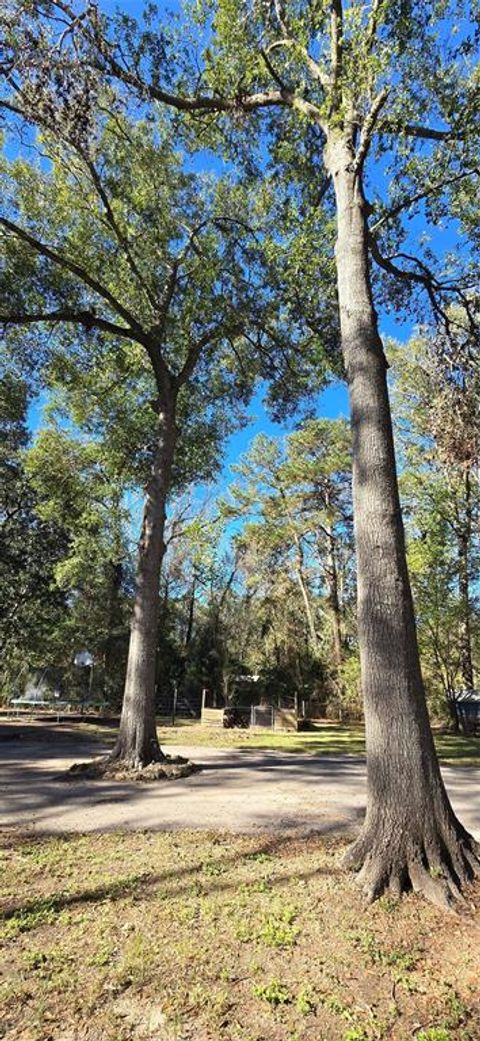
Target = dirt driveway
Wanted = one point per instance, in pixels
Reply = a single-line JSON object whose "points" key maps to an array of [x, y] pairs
{"points": [[241, 791]]}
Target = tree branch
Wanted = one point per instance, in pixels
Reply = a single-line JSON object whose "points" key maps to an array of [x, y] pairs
{"points": [[194, 352], [290, 41], [425, 133], [87, 318], [433, 286], [197, 103], [418, 196], [336, 49], [369, 127], [121, 238], [271, 68], [372, 25], [75, 269]]}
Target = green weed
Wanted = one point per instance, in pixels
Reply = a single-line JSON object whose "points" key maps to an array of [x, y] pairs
{"points": [[213, 868], [305, 1002], [275, 992], [279, 931]]}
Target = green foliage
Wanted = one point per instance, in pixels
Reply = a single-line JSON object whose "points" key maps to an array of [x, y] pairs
{"points": [[31, 546], [436, 405], [296, 551], [253, 252], [305, 1002], [279, 930], [355, 1034], [275, 992]]}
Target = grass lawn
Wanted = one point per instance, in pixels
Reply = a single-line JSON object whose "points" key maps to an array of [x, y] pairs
{"points": [[326, 739], [197, 937]]}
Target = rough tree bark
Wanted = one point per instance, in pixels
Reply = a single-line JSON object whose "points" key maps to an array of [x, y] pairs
{"points": [[410, 837], [464, 537], [137, 743]]}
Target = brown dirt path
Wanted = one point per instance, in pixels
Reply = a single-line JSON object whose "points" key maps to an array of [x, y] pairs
{"points": [[236, 790]]}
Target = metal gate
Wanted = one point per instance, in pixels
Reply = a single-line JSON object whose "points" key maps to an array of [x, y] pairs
{"points": [[262, 716]]}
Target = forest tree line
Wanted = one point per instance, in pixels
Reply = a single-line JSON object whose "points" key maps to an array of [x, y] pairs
{"points": [[259, 575]]}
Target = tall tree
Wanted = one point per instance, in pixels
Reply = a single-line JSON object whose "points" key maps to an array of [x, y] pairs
{"points": [[297, 495], [129, 246], [31, 546], [161, 269], [436, 396], [357, 81], [77, 486], [318, 469], [279, 529]]}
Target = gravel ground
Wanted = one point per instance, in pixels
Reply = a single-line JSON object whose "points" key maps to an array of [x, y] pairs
{"points": [[235, 790]]}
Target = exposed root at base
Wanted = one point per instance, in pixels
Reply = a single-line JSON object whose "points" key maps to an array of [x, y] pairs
{"points": [[435, 871], [169, 768]]}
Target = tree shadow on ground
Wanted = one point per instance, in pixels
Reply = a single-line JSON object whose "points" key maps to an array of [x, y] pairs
{"points": [[32, 912]]}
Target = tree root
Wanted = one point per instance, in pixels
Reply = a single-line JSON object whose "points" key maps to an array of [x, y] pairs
{"points": [[436, 869], [117, 769]]}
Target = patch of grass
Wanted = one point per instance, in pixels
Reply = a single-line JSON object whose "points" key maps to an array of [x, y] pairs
{"points": [[279, 930], [356, 1034], [225, 937], [434, 1034], [275, 992], [46, 910], [325, 739], [27, 918], [305, 1002]]}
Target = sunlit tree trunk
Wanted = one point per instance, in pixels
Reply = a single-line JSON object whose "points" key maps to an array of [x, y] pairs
{"points": [[411, 836], [137, 742]]}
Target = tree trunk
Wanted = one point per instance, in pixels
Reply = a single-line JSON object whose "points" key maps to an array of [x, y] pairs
{"points": [[453, 710], [464, 537], [410, 837], [334, 603], [191, 613], [137, 741], [115, 568], [299, 567]]}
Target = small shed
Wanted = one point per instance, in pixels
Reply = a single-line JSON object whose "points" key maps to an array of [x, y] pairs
{"points": [[467, 705]]}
